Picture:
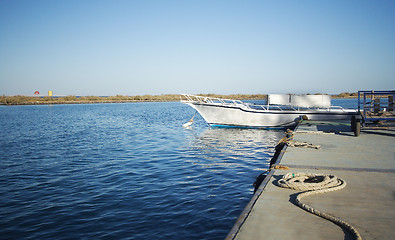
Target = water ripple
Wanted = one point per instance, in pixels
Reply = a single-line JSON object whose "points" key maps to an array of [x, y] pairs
{"points": [[123, 171]]}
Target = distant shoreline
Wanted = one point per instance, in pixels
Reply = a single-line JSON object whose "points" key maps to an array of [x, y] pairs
{"points": [[40, 100]]}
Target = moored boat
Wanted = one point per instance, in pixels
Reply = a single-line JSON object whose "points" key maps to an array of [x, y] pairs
{"points": [[281, 111]]}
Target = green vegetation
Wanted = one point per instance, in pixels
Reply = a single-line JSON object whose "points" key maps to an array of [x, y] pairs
{"points": [[32, 100]]}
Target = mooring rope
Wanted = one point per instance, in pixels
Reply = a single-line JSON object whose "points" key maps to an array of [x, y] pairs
{"points": [[289, 136], [303, 145], [311, 184], [190, 122]]}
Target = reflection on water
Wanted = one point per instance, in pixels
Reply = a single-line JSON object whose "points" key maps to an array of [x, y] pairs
{"points": [[222, 148]]}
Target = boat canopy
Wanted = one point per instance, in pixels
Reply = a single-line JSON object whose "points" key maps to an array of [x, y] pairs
{"points": [[314, 101]]}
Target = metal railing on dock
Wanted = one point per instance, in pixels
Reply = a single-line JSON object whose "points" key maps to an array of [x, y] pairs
{"points": [[376, 105]]}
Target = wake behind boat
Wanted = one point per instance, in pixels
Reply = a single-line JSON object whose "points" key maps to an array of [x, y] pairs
{"points": [[281, 111]]}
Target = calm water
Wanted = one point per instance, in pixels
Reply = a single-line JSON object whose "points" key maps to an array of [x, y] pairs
{"points": [[346, 103], [123, 171]]}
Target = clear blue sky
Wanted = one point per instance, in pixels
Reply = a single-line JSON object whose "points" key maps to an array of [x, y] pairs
{"points": [[136, 47]]}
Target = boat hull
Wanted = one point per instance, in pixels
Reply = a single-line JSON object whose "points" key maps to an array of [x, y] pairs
{"points": [[219, 115]]}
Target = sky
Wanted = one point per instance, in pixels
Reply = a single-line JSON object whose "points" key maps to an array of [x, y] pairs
{"points": [[138, 47]]}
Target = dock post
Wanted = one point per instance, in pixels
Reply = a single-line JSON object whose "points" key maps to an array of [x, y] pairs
{"points": [[376, 105], [390, 103]]}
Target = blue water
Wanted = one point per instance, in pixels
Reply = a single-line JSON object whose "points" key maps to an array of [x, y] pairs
{"points": [[124, 171], [346, 103]]}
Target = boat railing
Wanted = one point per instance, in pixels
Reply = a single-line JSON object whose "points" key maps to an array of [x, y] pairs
{"points": [[271, 107], [256, 107], [336, 107], [293, 108], [267, 107], [213, 100]]}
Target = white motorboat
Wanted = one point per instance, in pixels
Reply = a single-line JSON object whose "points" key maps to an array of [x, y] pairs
{"points": [[281, 111]]}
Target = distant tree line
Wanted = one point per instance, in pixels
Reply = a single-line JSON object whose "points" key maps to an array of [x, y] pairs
{"points": [[345, 95], [31, 100]]}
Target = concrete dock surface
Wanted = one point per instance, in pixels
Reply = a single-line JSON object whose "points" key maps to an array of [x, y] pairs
{"points": [[367, 165]]}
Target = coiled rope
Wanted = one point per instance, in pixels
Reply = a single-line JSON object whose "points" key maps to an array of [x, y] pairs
{"points": [[314, 184]]}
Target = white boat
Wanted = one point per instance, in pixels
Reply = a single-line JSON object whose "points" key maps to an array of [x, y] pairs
{"points": [[281, 111]]}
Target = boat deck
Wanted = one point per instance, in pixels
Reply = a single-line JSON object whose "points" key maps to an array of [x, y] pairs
{"points": [[366, 163]]}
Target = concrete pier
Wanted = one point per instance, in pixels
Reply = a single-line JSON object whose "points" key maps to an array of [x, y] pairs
{"points": [[366, 163]]}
